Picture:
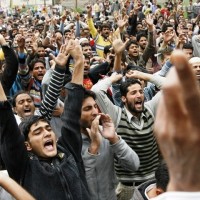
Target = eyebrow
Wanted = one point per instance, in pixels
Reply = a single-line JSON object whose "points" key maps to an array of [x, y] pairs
{"points": [[47, 126]]}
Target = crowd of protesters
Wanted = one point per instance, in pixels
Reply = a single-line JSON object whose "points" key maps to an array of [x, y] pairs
{"points": [[88, 109]]}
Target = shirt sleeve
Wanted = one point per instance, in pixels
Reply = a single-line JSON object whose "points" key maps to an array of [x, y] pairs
{"points": [[104, 103]]}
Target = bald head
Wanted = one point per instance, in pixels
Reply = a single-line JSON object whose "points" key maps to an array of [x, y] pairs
{"points": [[195, 63]]}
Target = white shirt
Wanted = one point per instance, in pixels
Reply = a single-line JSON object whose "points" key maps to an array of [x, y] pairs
{"points": [[178, 196]]}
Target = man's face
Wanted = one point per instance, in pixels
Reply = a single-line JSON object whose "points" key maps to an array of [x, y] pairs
{"points": [[86, 66], [42, 140], [143, 42], [41, 51], [172, 22], [39, 71], [133, 50], [139, 27], [4, 34], [88, 112], [134, 99], [68, 35], [188, 52], [196, 68], [87, 50], [160, 20], [40, 28], [24, 105], [28, 43], [86, 33], [105, 32]]}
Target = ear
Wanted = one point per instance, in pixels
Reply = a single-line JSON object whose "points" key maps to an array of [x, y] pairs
{"points": [[123, 99], [15, 110], [28, 146], [159, 191]]}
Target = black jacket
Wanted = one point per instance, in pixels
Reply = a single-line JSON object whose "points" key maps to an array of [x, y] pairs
{"points": [[59, 178]]}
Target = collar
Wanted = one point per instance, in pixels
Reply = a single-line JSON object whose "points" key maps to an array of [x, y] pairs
{"points": [[130, 116]]}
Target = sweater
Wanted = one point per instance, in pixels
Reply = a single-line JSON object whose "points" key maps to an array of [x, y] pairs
{"points": [[141, 139]]}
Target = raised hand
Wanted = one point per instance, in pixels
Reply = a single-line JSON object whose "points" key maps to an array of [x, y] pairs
{"points": [[62, 57], [149, 22], [168, 36], [115, 77], [118, 45], [108, 130], [75, 49], [21, 42], [177, 126], [89, 11], [94, 135], [122, 22], [2, 40]]}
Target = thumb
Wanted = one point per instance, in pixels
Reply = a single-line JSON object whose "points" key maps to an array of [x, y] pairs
{"points": [[88, 130], [52, 56]]}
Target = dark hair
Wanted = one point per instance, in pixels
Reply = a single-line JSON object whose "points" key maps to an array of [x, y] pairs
{"points": [[84, 44], [162, 176], [34, 61], [104, 25], [128, 82], [66, 31], [187, 46], [87, 57], [165, 27], [58, 31], [130, 42], [89, 93], [141, 34], [134, 67], [16, 95], [27, 122], [41, 46], [107, 49]]}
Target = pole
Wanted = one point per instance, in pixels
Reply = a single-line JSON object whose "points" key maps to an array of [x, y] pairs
{"points": [[76, 4]]}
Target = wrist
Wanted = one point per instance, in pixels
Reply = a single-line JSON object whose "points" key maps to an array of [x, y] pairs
{"points": [[114, 140], [93, 149]]}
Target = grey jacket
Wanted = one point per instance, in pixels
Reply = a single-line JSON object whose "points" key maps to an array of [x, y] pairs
{"points": [[100, 173]]}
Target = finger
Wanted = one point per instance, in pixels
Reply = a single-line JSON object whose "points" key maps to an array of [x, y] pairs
{"points": [[126, 42], [173, 96], [185, 73], [66, 41], [160, 124], [104, 117], [52, 56], [187, 100], [89, 131]]}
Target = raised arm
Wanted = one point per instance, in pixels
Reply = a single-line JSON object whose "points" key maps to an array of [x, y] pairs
{"points": [[71, 135], [90, 23], [150, 48], [56, 83], [13, 149], [11, 68], [13, 188], [104, 103]]}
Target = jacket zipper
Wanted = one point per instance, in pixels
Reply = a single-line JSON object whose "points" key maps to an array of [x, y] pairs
{"points": [[63, 182]]}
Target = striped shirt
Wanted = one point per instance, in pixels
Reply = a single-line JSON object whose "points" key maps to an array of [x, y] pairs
{"points": [[141, 139]]}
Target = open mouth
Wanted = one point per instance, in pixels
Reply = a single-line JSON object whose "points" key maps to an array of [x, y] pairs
{"points": [[27, 111], [138, 103], [86, 71], [40, 75], [49, 145]]}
